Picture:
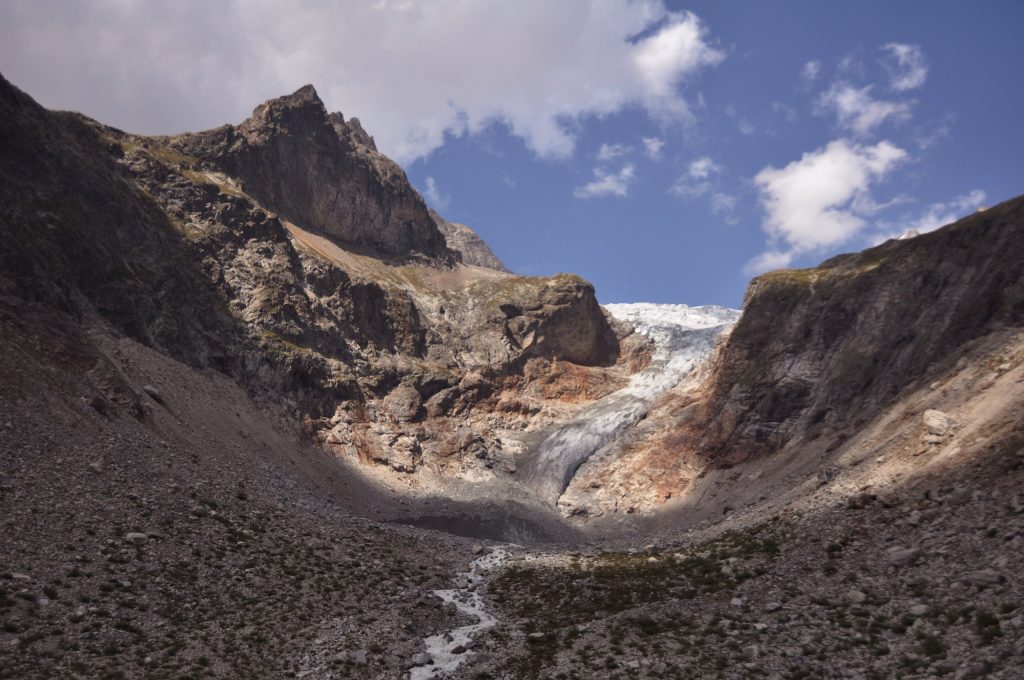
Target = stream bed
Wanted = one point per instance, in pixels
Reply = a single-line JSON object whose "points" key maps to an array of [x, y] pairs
{"points": [[450, 649]]}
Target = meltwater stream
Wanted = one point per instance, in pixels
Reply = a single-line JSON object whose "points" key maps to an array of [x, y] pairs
{"points": [[448, 650], [683, 337]]}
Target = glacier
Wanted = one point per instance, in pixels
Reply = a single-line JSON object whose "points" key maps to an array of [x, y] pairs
{"points": [[683, 338]]}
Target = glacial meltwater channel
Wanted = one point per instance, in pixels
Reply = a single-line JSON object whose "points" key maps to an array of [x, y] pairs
{"points": [[683, 338], [448, 650]]}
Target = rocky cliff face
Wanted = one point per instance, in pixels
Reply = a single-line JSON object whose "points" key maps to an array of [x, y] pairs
{"points": [[831, 365], [315, 170], [468, 244], [291, 255], [818, 352]]}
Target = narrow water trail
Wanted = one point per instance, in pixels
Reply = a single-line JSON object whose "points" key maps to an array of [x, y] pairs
{"points": [[448, 650], [683, 338]]}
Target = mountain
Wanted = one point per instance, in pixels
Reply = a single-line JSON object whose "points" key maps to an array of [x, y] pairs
{"points": [[829, 364], [468, 244], [265, 414]]}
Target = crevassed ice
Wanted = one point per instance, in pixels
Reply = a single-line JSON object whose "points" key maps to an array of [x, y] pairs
{"points": [[683, 337]]}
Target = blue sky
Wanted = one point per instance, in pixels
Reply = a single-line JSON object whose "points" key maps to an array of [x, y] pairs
{"points": [[665, 151], [960, 129]]}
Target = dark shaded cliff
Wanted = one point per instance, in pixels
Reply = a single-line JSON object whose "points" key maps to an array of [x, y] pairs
{"points": [[826, 348]]}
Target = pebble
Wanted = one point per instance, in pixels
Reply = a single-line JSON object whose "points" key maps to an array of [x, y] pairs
{"points": [[136, 538], [900, 556], [856, 597], [983, 577]]}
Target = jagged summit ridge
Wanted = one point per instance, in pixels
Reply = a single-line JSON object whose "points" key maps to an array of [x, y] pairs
{"points": [[324, 174], [468, 244]]}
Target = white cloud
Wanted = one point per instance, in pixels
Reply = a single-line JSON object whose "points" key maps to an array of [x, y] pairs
{"points": [[934, 216], [702, 179], [608, 184], [745, 127], [851, 65], [857, 111], [810, 71], [821, 199], [723, 203], [653, 147], [688, 189], [664, 58], [695, 182], [766, 261], [434, 197], [940, 214], [413, 72], [907, 66], [703, 167], [609, 152]]}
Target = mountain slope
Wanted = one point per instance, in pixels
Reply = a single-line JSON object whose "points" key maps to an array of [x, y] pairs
{"points": [[822, 350], [826, 366], [468, 244]]}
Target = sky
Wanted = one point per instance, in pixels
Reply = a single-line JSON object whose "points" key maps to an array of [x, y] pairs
{"points": [[665, 151]]}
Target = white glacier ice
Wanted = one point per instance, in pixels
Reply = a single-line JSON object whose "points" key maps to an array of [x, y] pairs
{"points": [[683, 338]]}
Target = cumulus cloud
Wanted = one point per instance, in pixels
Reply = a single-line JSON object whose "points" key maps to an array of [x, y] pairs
{"points": [[434, 197], [653, 147], [821, 199], [856, 110], [608, 184], [413, 72], [609, 152], [907, 66]]}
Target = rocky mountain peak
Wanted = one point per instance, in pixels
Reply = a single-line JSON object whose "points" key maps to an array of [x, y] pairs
{"points": [[323, 174], [468, 244], [301, 110]]}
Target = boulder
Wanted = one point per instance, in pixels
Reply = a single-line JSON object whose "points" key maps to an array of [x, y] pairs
{"points": [[405, 403], [936, 422]]}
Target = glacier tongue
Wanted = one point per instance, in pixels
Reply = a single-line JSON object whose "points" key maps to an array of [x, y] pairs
{"points": [[683, 337]]}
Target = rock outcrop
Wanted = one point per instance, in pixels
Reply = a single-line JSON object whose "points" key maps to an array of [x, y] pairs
{"points": [[318, 171], [820, 351], [468, 244], [291, 255]]}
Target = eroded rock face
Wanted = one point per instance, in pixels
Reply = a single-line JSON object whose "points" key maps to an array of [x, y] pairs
{"points": [[401, 363], [468, 244], [820, 350], [321, 173]]}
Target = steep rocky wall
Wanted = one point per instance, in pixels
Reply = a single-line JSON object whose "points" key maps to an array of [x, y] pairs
{"points": [[314, 170], [820, 351], [468, 244], [389, 361]]}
